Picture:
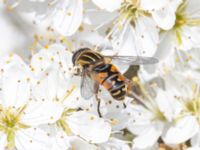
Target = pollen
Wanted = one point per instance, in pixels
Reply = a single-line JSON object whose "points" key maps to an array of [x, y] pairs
{"points": [[69, 13], [92, 118], [81, 28], [46, 46], [52, 59], [27, 79], [40, 58], [114, 121]]}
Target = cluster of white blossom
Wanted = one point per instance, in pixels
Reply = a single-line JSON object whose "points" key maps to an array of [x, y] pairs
{"points": [[41, 107]]}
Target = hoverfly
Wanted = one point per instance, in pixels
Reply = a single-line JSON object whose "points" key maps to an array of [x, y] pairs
{"points": [[97, 69]]}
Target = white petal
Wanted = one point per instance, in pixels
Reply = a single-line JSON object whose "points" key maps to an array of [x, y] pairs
{"points": [[147, 36], [140, 120], [51, 86], [38, 113], [55, 54], [127, 46], [75, 100], [109, 5], [195, 141], [165, 17], [115, 144], [14, 38], [153, 4], [60, 141], [79, 144], [168, 105], [120, 119], [190, 38], [15, 83], [99, 16], [10, 59], [87, 37], [68, 17], [147, 139], [183, 130], [193, 148], [3, 141], [89, 127], [154, 147], [33, 138], [192, 9], [166, 45]]}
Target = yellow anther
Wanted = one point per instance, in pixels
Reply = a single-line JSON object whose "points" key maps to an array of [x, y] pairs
{"points": [[46, 46], [114, 121]]}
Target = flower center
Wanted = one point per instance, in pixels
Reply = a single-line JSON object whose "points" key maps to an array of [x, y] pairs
{"points": [[159, 115], [62, 123], [10, 122], [193, 106], [182, 19], [130, 10]]}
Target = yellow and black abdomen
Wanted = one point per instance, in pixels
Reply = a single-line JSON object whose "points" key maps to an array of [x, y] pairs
{"points": [[109, 77]]}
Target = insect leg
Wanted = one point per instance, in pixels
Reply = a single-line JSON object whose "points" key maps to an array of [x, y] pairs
{"points": [[98, 106], [96, 89], [124, 105]]}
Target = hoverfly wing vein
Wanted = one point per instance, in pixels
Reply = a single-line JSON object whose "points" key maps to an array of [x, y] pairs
{"points": [[133, 60]]}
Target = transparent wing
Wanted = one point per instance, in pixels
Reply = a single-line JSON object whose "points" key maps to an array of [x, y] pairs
{"points": [[87, 85], [133, 60]]}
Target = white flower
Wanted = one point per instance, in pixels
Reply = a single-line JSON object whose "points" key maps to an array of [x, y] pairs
{"points": [[146, 129], [89, 127], [132, 24], [20, 114], [152, 122], [187, 94], [184, 34], [41, 106]]}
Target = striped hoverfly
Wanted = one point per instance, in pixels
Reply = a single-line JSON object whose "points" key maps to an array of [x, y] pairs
{"points": [[97, 69]]}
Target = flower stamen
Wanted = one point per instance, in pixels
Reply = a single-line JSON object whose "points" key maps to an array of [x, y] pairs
{"points": [[10, 122]]}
